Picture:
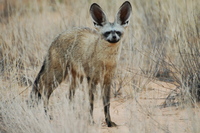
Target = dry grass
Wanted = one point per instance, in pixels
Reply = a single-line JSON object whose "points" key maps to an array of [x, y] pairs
{"points": [[160, 62]]}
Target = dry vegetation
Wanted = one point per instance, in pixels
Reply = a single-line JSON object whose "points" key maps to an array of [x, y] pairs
{"points": [[156, 89]]}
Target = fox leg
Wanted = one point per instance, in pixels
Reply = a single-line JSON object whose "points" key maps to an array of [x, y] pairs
{"points": [[106, 103]]}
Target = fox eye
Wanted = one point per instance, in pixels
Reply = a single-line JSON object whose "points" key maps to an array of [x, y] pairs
{"points": [[118, 33], [106, 34]]}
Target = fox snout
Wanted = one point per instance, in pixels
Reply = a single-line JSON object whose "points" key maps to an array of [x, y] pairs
{"points": [[112, 36], [83, 52]]}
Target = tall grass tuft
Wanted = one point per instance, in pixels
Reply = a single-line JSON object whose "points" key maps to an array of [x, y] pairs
{"points": [[161, 47]]}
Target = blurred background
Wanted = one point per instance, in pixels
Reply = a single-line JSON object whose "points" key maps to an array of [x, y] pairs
{"points": [[161, 47]]}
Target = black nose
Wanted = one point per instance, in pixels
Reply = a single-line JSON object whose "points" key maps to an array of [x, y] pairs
{"points": [[114, 36]]}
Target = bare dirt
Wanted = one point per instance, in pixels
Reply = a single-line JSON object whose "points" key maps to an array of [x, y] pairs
{"points": [[145, 113]]}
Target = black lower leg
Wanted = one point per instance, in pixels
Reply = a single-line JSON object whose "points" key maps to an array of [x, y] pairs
{"points": [[91, 96], [106, 103], [71, 93]]}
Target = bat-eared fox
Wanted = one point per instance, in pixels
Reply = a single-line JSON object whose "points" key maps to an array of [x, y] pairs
{"points": [[84, 53]]}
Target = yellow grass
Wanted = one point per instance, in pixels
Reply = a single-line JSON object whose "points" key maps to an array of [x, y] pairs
{"points": [[162, 42]]}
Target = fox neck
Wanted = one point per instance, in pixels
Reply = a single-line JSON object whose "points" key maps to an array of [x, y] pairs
{"points": [[109, 52]]}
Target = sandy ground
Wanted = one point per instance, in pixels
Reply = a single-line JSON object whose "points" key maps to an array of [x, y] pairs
{"points": [[143, 113], [145, 110]]}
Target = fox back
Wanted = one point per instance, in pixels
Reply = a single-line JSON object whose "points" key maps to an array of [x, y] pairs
{"points": [[85, 53], [93, 49]]}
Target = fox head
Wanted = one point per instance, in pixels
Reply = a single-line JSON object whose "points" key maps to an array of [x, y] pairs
{"points": [[111, 32]]}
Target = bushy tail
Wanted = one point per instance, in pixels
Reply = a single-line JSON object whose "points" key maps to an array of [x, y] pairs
{"points": [[35, 95]]}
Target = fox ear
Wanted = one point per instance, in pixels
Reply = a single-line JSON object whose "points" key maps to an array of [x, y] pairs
{"points": [[98, 16], [124, 13]]}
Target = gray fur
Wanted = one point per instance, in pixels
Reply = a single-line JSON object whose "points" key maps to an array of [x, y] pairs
{"points": [[82, 52]]}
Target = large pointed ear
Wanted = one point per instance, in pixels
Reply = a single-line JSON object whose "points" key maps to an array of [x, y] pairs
{"points": [[124, 13], [98, 16]]}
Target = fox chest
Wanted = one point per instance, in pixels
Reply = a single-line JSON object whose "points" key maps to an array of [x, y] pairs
{"points": [[99, 70]]}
